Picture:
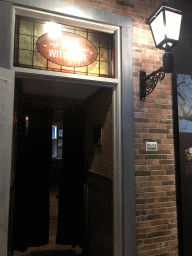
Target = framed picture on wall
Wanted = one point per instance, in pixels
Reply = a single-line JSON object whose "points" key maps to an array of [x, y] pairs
{"points": [[184, 98]]}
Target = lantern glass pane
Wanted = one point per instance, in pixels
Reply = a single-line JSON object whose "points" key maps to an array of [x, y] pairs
{"points": [[173, 24], [158, 28]]}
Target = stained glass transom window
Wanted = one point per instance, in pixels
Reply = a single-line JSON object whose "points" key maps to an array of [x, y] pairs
{"points": [[27, 53]]}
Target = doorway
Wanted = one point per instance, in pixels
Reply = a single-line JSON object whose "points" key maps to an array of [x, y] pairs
{"points": [[124, 175], [93, 114]]}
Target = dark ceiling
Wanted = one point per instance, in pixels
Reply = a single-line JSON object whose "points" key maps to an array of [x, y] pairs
{"points": [[59, 89]]}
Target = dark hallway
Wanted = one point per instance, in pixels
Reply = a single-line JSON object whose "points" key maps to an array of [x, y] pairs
{"points": [[81, 179], [38, 177]]}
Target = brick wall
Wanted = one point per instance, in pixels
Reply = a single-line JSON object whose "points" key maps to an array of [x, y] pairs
{"points": [[155, 180], [156, 218]]}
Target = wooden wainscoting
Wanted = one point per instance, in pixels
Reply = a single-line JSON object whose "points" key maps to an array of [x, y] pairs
{"points": [[99, 215]]}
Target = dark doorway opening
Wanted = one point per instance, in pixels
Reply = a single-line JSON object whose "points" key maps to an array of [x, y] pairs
{"points": [[55, 191]]}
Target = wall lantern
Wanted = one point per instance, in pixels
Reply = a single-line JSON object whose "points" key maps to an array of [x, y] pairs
{"points": [[165, 25]]}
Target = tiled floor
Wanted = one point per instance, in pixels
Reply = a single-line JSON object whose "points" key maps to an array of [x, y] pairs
{"points": [[52, 229]]}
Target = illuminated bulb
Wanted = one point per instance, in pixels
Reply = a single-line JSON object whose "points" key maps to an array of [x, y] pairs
{"points": [[170, 44], [53, 29], [26, 121]]}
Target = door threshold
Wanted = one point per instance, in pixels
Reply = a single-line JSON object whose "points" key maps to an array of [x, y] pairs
{"points": [[46, 248]]}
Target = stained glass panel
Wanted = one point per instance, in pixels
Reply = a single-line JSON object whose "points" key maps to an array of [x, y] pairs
{"points": [[26, 54]]}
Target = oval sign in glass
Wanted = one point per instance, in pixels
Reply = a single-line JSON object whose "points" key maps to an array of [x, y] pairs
{"points": [[70, 50]]}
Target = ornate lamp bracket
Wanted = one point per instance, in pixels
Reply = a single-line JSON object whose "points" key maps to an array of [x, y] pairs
{"points": [[149, 82]]}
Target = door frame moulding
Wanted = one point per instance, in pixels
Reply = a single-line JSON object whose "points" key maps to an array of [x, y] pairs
{"points": [[75, 78], [124, 242]]}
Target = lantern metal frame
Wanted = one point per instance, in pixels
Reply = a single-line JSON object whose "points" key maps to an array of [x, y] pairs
{"points": [[149, 82]]}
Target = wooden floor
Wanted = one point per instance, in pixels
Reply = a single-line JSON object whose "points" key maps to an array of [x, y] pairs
{"points": [[52, 230]]}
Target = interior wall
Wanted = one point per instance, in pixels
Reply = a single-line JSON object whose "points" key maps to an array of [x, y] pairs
{"points": [[99, 159]]}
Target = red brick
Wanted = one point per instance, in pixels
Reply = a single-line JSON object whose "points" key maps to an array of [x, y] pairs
{"points": [[143, 224], [153, 194], [151, 205], [165, 238], [158, 233], [158, 172], [159, 222], [145, 230], [157, 210]]}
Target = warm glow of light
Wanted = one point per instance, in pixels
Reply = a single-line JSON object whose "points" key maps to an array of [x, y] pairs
{"points": [[168, 31], [173, 24], [53, 29], [158, 28], [170, 44], [75, 49], [26, 118], [73, 10]]}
